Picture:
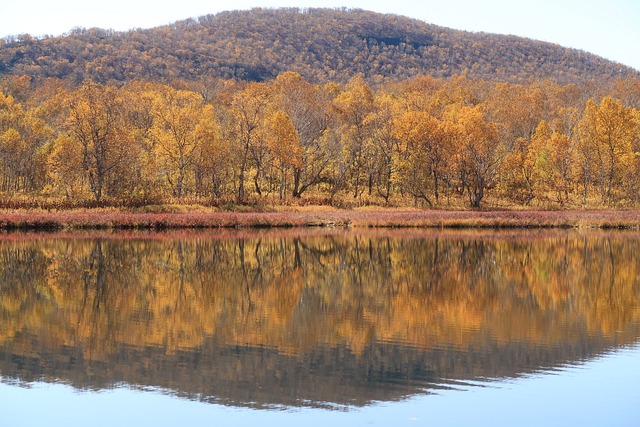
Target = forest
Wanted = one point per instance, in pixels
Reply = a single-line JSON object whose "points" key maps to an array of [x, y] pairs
{"points": [[425, 142], [322, 45], [335, 107]]}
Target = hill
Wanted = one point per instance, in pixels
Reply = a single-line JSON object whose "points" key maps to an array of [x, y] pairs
{"points": [[320, 44]]}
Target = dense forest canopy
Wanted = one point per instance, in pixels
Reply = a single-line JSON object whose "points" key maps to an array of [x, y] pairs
{"points": [[151, 116], [421, 142], [320, 44]]}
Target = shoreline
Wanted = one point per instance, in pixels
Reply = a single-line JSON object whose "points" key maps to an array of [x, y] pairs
{"points": [[369, 218]]}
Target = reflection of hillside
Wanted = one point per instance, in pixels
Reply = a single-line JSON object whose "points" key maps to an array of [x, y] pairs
{"points": [[345, 318]]}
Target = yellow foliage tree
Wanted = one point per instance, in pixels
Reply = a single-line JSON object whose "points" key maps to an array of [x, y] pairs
{"points": [[96, 122], [249, 109], [353, 105], [65, 170], [23, 139], [284, 144], [424, 149], [606, 134], [308, 108], [477, 151], [181, 123]]}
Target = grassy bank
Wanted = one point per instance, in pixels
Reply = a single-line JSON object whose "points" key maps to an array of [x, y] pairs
{"points": [[322, 217]]}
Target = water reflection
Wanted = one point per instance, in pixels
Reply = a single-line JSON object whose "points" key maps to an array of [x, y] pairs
{"points": [[309, 317]]}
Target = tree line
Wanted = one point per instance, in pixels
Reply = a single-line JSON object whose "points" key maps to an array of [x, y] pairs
{"points": [[425, 141]]}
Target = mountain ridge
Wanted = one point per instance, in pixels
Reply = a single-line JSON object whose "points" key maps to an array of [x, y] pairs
{"points": [[320, 44]]}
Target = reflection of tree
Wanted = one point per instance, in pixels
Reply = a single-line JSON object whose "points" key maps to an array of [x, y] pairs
{"points": [[94, 280], [313, 303]]}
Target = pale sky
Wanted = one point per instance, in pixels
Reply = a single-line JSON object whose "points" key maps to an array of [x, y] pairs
{"points": [[609, 28]]}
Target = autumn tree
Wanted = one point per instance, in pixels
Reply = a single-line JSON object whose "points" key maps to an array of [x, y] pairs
{"points": [[560, 164], [519, 109], [384, 145], [95, 122], [526, 169], [424, 143], [354, 105], [307, 106], [65, 171], [144, 182], [249, 108], [24, 139], [284, 145], [213, 168], [627, 90], [181, 123], [477, 152], [516, 171], [606, 134]]}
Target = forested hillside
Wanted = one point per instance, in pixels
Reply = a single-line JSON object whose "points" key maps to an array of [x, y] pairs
{"points": [[173, 114], [320, 44]]}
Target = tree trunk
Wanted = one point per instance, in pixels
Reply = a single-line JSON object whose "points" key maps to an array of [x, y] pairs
{"points": [[436, 194], [240, 197], [297, 192], [256, 182], [283, 184]]}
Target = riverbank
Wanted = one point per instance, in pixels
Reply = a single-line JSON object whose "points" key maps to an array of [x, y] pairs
{"points": [[322, 217]]}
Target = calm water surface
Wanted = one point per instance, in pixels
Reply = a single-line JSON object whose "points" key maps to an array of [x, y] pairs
{"points": [[315, 327]]}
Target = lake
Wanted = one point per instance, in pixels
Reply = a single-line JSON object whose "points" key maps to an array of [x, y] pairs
{"points": [[320, 327]]}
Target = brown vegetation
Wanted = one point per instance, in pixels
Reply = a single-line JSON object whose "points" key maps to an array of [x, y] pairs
{"points": [[425, 142], [349, 141], [360, 218], [321, 44]]}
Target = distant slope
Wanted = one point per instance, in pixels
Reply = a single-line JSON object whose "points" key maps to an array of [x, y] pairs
{"points": [[321, 44]]}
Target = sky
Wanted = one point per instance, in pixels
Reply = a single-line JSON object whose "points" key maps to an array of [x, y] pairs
{"points": [[609, 28]]}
